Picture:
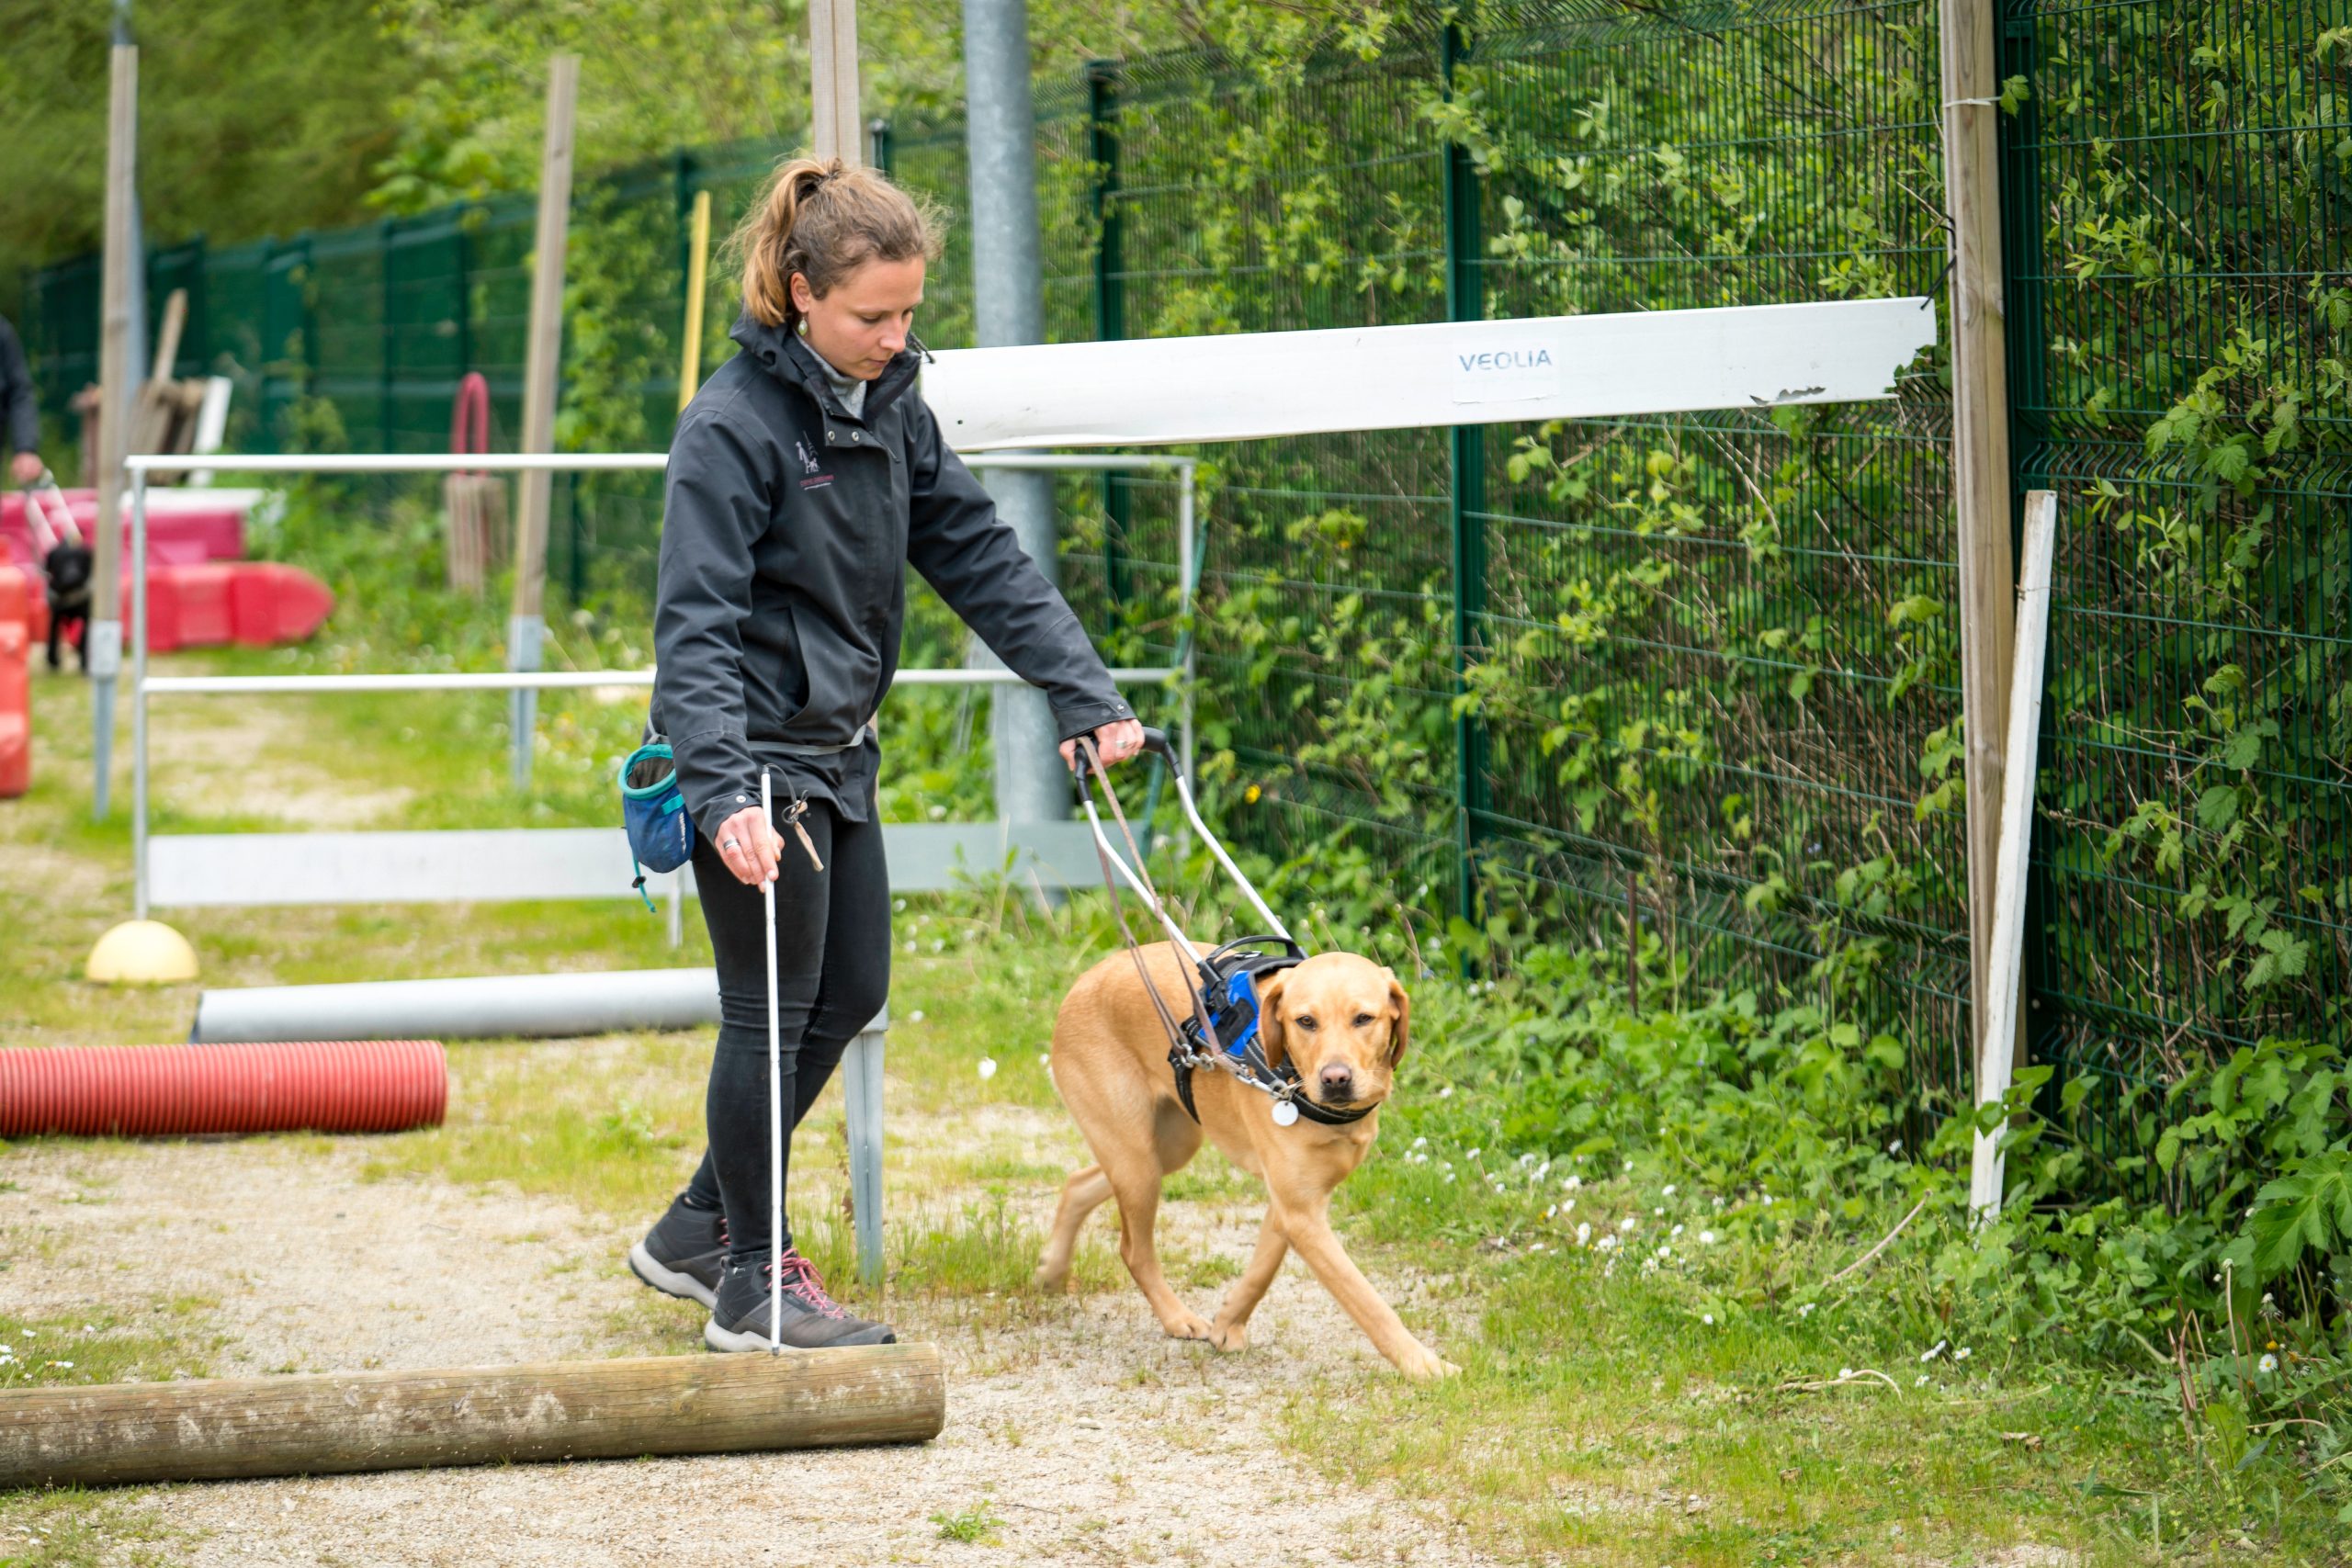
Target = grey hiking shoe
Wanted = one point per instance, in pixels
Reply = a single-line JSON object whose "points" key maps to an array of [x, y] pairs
{"points": [[813, 1320], [684, 1252]]}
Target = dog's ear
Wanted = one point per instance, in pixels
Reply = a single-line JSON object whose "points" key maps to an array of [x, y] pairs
{"points": [[1403, 1006], [1273, 1038]]}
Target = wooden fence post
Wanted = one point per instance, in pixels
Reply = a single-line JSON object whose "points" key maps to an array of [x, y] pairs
{"points": [[543, 351], [1980, 459]]}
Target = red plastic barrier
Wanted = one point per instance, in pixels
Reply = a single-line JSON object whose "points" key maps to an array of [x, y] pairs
{"points": [[17, 594], [199, 603], [271, 602], [129, 1091], [253, 603], [183, 531]]}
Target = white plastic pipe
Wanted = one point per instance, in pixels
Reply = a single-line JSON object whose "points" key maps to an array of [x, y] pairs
{"points": [[493, 1005]]}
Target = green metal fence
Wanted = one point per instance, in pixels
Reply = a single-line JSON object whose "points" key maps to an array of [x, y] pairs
{"points": [[1692, 677], [2181, 183]]}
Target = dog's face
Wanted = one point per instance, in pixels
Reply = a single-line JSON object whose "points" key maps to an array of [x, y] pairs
{"points": [[1339, 1019], [68, 570]]}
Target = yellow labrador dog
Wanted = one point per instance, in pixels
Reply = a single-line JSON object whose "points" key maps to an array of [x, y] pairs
{"points": [[1339, 1019]]}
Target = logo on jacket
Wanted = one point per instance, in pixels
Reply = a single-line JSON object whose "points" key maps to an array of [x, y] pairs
{"points": [[808, 458]]}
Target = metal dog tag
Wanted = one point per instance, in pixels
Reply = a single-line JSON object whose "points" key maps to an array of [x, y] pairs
{"points": [[1285, 1113]]}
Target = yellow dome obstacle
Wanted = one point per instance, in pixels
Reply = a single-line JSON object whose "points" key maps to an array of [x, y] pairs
{"points": [[141, 953]]}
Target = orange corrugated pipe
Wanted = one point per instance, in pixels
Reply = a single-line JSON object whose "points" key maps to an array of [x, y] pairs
{"points": [[333, 1085]]}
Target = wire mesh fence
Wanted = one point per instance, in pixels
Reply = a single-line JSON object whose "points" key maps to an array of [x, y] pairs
{"points": [[1691, 679]]}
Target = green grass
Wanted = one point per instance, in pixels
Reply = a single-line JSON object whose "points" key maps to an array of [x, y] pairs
{"points": [[147, 1342], [72, 1528], [137, 1341], [1602, 1421], [975, 1525]]}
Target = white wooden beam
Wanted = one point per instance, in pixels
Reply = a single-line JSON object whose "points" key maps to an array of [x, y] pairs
{"points": [[1996, 1061], [247, 869], [1241, 386]]}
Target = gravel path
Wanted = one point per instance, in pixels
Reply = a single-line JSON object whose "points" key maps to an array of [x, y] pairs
{"points": [[1085, 1434]]}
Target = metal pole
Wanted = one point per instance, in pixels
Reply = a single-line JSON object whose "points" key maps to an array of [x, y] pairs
{"points": [[138, 692], [1008, 294], [1465, 301], [1110, 296], [1188, 577], [862, 1108]]}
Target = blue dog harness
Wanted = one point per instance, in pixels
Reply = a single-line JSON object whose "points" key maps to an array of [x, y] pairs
{"points": [[1229, 981]]}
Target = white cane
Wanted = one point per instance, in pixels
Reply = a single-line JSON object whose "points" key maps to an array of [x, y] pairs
{"points": [[776, 1100]]}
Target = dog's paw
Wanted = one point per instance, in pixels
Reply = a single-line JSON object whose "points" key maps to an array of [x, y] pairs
{"points": [[1425, 1366], [1186, 1326], [1046, 1279], [1229, 1337]]}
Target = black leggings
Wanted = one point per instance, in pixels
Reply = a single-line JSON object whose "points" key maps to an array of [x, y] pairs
{"points": [[832, 963]]}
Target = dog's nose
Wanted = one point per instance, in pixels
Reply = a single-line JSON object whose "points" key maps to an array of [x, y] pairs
{"points": [[1338, 1082]]}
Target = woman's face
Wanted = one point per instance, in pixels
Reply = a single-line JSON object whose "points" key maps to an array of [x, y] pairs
{"points": [[861, 324]]}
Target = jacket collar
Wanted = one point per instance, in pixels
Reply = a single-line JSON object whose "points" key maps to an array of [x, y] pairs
{"points": [[781, 353]]}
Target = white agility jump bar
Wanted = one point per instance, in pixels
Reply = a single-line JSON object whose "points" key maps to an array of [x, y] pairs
{"points": [[562, 680], [1252, 385]]}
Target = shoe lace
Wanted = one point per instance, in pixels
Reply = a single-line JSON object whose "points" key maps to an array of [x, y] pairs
{"points": [[802, 1279]]}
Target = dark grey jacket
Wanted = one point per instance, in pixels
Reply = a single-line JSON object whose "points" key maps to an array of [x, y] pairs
{"points": [[789, 525], [19, 418]]}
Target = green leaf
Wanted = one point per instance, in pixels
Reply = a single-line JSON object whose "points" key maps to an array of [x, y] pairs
{"points": [[2311, 1210], [2245, 746], [2284, 957], [2217, 808]]}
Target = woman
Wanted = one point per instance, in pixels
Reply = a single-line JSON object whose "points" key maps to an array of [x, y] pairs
{"points": [[805, 475]]}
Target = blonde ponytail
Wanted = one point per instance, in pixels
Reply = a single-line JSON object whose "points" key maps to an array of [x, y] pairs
{"points": [[824, 220]]}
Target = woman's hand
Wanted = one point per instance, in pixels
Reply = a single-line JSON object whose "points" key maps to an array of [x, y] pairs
{"points": [[749, 846], [1117, 742]]}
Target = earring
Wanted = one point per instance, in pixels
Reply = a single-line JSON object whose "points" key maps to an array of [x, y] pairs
{"points": [[804, 326]]}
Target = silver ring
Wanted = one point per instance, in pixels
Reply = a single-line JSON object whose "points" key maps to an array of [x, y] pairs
{"points": [[726, 843]]}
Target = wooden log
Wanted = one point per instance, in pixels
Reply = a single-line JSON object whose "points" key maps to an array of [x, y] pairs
{"points": [[162, 416], [223, 1429]]}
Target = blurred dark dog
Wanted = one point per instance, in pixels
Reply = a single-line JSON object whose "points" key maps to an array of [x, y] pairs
{"points": [[69, 568]]}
